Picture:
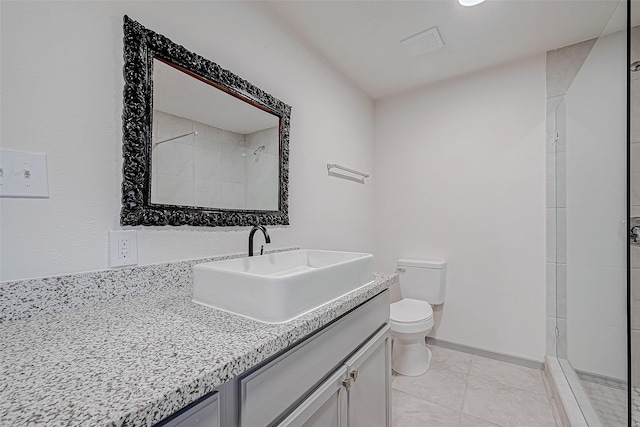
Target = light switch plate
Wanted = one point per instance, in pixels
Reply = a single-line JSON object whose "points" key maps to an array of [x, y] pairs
{"points": [[123, 248], [23, 175]]}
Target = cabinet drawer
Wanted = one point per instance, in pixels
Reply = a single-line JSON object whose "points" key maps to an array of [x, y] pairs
{"points": [[272, 389]]}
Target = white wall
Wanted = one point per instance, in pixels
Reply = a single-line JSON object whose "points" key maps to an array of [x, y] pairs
{"points": [[61, 81], [460, 176], [459, 171], [596, 211]]}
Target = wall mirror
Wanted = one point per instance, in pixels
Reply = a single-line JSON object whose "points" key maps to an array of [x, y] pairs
{"points": [[201, 145]]}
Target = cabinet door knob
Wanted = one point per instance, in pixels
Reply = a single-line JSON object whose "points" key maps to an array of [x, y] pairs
{"points": [[347, 384], [354, 375]]}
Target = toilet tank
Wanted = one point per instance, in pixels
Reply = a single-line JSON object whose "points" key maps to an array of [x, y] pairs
{"points": [[423, 279]]}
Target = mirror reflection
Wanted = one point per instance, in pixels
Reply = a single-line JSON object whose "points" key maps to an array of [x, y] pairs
{"points": [[209, 148]]}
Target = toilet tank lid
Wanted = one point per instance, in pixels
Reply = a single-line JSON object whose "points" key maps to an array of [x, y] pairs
{"points": [[422, 263]]}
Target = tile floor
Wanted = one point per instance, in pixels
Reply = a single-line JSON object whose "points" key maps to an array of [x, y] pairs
{"points": [[462, 390], [608, 399]]}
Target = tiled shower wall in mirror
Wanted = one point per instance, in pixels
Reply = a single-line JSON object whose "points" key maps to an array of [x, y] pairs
{"points": [[212, 167]]}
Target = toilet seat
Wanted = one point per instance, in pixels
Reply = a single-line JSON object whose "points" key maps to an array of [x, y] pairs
{"points": [[410, 310], [409, 316]]}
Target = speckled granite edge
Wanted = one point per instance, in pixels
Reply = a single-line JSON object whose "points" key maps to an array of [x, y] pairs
{"points": [[288, 334], [25, 299], [134, 362]]}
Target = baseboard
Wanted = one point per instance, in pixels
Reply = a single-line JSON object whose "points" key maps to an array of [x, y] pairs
{"points": [[516, 360]]}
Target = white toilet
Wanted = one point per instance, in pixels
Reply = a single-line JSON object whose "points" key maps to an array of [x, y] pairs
{"points": [[422, 284]]}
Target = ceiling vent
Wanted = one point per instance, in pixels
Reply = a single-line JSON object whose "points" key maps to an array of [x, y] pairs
{"points": [[424, 42]]}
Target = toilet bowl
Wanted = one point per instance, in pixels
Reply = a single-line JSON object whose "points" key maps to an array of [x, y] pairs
{"points": [[422, 283], [410, 320]]}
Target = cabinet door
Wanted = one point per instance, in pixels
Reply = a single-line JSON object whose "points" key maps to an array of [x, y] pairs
{"points": [[205, 413], [369, 395], [326, 407]]}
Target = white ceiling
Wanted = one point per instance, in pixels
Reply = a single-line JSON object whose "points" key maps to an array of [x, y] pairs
{"points": [[361, 38]]}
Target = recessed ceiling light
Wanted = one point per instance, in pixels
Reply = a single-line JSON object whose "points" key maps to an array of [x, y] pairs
{"points": [[470, 2]]}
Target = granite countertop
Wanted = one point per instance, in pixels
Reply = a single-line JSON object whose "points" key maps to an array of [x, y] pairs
{"points": [[137, 361]]}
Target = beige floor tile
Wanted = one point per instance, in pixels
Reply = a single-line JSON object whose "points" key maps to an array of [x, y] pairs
{"points": [[505, 405], [444, 358], [528, 379], [410, 411], [469, 421], [440, 386]]}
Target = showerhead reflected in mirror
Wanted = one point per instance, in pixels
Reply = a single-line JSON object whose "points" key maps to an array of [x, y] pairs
{"points": [[204, 142]]}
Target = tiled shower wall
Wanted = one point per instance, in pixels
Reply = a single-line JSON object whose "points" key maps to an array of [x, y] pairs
{"points": [[215, 168], [562, 67]]}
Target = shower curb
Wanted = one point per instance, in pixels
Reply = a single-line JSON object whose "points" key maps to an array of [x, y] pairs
{"points": [[562, 397]]}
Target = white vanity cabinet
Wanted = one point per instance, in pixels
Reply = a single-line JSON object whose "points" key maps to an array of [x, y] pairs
{"points": [[356, 395], [337, 376]]}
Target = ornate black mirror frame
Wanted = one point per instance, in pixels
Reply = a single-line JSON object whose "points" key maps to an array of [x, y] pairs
{"points": [[141, 46]]}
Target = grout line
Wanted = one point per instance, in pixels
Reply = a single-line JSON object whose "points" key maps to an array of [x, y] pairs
{"points": [[543, 392], [459, 413], [469, 369], [466, 387], [493, 379]]}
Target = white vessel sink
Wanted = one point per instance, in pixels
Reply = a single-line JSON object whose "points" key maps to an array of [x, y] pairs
{"points": [[277, 288]]}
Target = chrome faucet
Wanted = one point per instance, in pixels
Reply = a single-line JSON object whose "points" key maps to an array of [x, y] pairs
{"points": [[267, 239]]}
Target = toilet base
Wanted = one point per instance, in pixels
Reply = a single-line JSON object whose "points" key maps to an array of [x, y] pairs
{"points": [[410, 358]]}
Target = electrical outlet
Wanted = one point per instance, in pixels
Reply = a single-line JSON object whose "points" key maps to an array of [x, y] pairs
{"points": [[123, 248]]}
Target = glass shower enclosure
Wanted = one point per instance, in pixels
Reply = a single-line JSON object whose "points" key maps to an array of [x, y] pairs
{"points": [[588, 206]]}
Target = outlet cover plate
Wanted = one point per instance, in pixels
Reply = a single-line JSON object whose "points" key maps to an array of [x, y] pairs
{"points": [[123, 248], [23, 175]]}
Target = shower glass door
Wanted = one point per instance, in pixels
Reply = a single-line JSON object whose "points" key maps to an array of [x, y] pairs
{"points": [[589, 140]]}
